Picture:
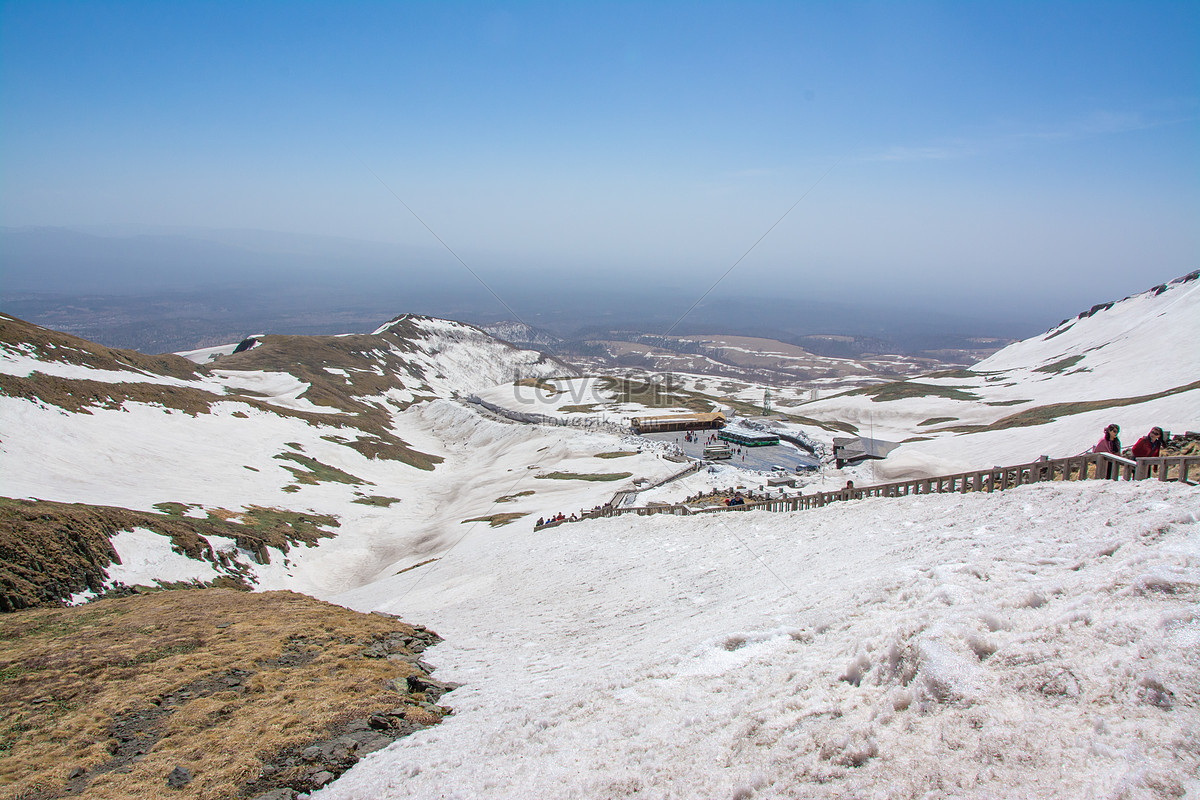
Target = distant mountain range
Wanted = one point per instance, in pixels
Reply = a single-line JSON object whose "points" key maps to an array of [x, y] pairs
{"points": [[171, 289]]}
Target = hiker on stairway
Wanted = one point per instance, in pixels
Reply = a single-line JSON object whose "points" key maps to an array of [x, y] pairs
{"points": [[1109, 444], [1148, 446]]}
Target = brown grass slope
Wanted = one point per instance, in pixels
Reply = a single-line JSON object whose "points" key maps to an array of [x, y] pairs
{"points": [[247, 692], [53, 346], [1040, 415], [359, 393], [304, 357], [79, 395], [50, 551], [368, 367]]}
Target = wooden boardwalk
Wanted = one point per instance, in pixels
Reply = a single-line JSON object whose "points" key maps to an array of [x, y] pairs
{"points": [[1091, 466]]}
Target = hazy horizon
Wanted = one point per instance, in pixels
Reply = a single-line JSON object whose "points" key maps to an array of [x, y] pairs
{"points": [[108, 284], [129, 260]]}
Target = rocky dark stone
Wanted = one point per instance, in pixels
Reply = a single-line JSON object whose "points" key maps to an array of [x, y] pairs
{"points": [[368, 741], [377, 650], [179, 778], [432, 689], [278, 794], [321, 778]]}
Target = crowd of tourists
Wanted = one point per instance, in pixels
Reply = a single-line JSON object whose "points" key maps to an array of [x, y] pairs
{"points": [[561, 517]]}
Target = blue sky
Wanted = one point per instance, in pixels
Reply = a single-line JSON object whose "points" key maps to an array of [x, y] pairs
{"points": [[955, 153]]}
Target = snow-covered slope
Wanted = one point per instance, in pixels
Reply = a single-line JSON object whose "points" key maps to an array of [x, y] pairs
{"points": [[1135, 362], [1039, 643], [360, 429], [519, 333]]}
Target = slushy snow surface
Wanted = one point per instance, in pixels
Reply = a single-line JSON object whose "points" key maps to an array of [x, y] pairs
{"points": [[1041, 642]]}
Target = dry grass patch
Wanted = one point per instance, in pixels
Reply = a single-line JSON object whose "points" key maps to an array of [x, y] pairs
{"points": [[580, 476], [497, 520], [48, 345], [373, 365], [953, 373], [510, 498], [376, 500], [77, 395], [105, 700], [311, 472], [586, 408], [1049, 413], [539, 383], [1059, 366], [50, 551], [900, 390]]}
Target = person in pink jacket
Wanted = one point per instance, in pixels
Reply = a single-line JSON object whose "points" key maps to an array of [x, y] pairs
{"points": [[1109, 444]]}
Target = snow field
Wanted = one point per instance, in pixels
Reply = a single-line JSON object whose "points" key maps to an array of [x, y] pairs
{"points": [[507, 458], [146, 558], [1034, 643], [458, 358], [142, 455], [1140, 346], [1132, 333], [279, 388], [1067, 436]]}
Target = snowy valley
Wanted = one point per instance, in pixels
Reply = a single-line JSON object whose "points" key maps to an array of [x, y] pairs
{"points": [[1039, 642]]}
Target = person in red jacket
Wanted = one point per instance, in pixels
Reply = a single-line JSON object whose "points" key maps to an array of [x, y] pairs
{"points": [[1148, 446]]}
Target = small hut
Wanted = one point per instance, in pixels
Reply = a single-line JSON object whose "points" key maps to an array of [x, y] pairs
{"points": [[850, 450]]}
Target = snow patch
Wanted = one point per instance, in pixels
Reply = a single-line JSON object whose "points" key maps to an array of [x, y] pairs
{"points": [[147, 558]]}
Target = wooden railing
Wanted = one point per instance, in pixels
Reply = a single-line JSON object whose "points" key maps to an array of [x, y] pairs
{"points": [[1091, 466], [1161, 468], [607, 509]]}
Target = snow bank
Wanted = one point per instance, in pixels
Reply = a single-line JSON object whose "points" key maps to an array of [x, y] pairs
{"points": [[1034, 643], [147, 559]]}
